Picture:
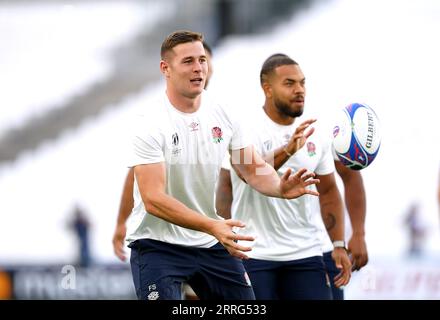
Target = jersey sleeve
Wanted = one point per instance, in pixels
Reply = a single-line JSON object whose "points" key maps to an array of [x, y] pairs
{"points": [[147, 144], [335, 156], [240, 132], [327, 164], [226, 163]]}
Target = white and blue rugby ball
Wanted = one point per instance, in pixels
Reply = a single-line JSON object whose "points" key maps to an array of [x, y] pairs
{"points": [[357, 136]]}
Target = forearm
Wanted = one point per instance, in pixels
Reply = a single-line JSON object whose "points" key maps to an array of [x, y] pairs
{"points": [[170, 209], [257, 173], [355, 198], [223, 199], [356, 207], [151, 179], [277, 157], [127, 202], [265, 180], [333, 214]]}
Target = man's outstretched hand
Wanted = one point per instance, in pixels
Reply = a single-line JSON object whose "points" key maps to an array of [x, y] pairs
{"points": [[295, 185]]}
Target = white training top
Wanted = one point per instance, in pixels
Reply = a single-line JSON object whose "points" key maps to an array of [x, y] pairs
{"points": [[284, 228], [192, 145]]}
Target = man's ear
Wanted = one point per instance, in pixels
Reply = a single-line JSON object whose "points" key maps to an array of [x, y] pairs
{"points": [[267, 88], [164, 67]]}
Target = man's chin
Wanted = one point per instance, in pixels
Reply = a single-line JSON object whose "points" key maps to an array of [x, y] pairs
{"points": [[194, 93], [297, 112]]}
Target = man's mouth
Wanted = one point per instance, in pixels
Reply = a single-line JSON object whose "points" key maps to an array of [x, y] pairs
{"points": [[197, 80]]}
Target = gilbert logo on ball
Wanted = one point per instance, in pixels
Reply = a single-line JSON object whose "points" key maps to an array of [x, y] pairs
{"points": [[356, 136]]}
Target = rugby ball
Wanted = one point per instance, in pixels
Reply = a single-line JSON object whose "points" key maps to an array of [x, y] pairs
{"points": [[356, 136]]}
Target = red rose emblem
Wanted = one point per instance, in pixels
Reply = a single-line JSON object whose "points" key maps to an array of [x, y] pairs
{"points": [[217, 134]]}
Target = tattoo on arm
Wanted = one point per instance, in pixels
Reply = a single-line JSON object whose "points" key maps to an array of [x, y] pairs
{"points": [[330, 221]]}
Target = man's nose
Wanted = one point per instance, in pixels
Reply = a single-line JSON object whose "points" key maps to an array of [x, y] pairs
{"points": [[197, 66], [298, 88]]}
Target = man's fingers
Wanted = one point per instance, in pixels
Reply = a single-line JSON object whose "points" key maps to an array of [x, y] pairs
{"points": [[239, 255], [238, 247], [342, 279], [120, 253], [121, 256], [354, 266], [308, 176], [311, 181], [359, 262], [363, 262], [303, 126], [235, 223], [299, 173], [340, 282], [308, 122], [337, 277], [311, 192], [240, 237], [234, 236], [230, 240], [354, 262], [237, 250], [286, 174], [309, 133], [344, 265]]}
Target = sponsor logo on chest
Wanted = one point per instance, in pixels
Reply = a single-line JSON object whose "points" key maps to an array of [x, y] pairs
{"points": [[175, 142], [193, 126], [267, 145]]}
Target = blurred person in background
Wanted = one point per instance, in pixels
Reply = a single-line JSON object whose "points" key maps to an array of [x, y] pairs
{"points": [[80, 225], [174, 232], [286, 260], [416, 230]]}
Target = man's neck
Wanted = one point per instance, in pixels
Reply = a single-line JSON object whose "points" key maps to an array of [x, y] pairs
{"points": [[276, 116], [183, 103]]}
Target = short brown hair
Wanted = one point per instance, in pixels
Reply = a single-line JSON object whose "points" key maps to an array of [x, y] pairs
{"points": [[179, 37], [274, 61]]}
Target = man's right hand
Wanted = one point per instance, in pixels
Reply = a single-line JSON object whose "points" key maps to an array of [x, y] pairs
{"points": [[342, 262], [299, 137], [222, 230], [295, 185], [118, 242]]}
